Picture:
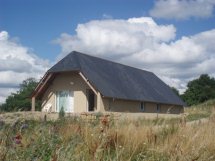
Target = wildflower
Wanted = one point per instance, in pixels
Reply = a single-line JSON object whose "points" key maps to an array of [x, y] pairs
{"points": [[104, 121], [18, 136], [17, 139], [24, 126]]}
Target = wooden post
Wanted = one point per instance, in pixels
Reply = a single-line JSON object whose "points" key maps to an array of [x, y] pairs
{"points": [[98, 102], [33, 104]]}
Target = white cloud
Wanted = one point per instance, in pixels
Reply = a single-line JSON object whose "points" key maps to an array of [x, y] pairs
{"points": [[116, 37], [141, 42], [183, 9], [17, 63], [4, 92]]}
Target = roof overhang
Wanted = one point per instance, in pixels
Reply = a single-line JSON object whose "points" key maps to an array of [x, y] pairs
{"points": [[43, 84], [49, 77]]}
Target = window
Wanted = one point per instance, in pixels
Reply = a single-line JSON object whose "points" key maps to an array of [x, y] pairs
{"points": [[64, 99], [158, 108], [142, 106]]}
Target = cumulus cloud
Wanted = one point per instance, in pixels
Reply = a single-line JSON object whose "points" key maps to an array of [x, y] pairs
{"points": [[183, 9], [17, 63], [179, 61], [116, 37], [4, 92], [142, 43]]}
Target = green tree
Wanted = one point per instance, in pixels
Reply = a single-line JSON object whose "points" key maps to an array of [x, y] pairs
{"points": [[199, 90], [21, 99]]}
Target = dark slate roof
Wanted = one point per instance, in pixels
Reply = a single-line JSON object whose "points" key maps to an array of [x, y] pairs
{"points": [[118, 81]]}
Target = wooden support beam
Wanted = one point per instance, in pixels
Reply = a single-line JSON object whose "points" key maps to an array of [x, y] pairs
{"points": [[42, 84], [41, 81], [88, 83], [98, 103], [33, 101]]}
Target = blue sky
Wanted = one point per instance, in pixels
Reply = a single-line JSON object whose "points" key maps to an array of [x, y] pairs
{"points": [[175, 36], [38, 22]]}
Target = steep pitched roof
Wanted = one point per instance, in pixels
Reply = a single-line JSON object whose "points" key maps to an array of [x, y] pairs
{"points": [[118, 81]]}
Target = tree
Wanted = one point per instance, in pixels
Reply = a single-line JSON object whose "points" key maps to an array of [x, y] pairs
{"points": [[21, 99], [199, 90]]}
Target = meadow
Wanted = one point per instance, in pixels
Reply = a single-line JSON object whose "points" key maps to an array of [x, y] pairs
{"points": [[109, 139]]}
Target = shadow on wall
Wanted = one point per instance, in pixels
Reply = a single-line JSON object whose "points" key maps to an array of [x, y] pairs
{"points": [[48, 100]]}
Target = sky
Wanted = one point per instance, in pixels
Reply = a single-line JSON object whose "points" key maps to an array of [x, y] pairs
{"points": [[172, 38]]}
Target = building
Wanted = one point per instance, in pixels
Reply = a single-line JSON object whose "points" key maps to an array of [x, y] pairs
{"points": [[83, 83]]}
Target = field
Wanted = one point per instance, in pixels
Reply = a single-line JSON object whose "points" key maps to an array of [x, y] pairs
{"points": [[185, 138]]}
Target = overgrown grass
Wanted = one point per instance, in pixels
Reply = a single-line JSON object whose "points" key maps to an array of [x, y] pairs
{"points": [[200, 111], [197, 116], [77, 139], [106, 139]]}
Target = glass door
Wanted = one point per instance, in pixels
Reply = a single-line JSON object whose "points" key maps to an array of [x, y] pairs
{"points": [[65, 100]]}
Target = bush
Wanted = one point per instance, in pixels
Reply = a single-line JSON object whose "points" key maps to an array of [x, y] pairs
{"points": [[61, 113]]}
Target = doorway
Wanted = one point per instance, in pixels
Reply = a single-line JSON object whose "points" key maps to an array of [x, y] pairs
{"points": [[91, 100], [65, 100]]}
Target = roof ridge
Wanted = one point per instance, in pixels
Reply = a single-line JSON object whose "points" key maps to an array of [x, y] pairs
{"points": [[95, 57]]}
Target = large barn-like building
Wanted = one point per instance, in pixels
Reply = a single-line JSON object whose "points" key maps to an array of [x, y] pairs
{"points": [[83, 83]]}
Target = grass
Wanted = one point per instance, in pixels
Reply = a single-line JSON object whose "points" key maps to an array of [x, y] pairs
{"points": [[74, 138], [197, 116], [200, 111]]}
